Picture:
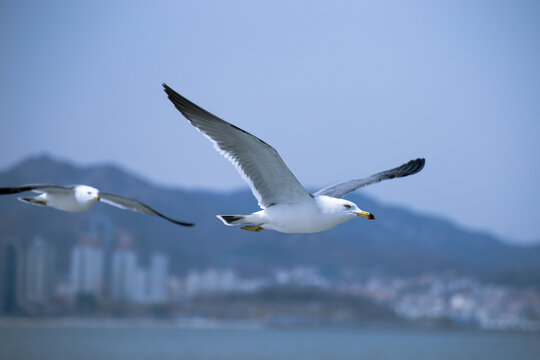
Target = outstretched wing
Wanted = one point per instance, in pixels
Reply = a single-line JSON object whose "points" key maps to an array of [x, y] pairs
{"points": [[259, 164], [123, 202], [342, 189], [35, 188]]}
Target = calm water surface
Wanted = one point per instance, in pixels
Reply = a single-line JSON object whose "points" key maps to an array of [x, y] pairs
{"points": [[55, 343]]}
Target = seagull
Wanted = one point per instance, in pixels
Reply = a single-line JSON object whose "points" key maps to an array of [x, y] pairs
{"points": [[78, 198], [286, 206]]}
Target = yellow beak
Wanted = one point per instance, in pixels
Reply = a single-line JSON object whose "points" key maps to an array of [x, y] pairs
{"points": [[365, 215], [96, 197]]}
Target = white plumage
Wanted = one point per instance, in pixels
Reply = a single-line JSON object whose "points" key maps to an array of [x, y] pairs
{"points": [[286, 206], [77, 198]]}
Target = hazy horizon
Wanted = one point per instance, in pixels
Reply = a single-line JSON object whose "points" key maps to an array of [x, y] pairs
{"points": [[195, 188]]}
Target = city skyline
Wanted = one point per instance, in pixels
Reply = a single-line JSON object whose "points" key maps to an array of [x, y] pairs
{"points": [[32, 283], [203, 295], [112, 273]]}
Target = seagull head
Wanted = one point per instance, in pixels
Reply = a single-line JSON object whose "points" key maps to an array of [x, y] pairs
{"points": [[350, 209], [344, 209], [86, 194]]}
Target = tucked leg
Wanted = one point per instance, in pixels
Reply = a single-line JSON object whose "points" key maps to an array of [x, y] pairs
{"points": [[33, 201], [255, 228]]}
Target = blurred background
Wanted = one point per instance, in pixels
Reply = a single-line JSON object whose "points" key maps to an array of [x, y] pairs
{"points": [[341, 90]]}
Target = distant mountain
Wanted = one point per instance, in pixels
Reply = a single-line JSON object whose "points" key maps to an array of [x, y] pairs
{"points": [[399, 242]]}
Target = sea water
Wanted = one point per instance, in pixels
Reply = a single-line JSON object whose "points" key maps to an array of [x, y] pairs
{"points": [[137, 343]]}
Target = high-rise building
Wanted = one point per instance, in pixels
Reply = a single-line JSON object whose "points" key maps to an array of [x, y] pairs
{"points": [[87, 267], [140, 286], [40, 273], [124, 271], [158, 276], [101, 229], [11, 275]]}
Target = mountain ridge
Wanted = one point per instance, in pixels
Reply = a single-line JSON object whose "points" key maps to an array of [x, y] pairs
{"points": [[399, 242]]}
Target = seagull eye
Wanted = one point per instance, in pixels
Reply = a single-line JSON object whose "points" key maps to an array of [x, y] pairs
{"points": [[347, 206]]}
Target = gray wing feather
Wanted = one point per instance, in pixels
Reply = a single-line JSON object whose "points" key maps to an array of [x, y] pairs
{"points": [[342, 189], [126, 203], [38, 188], [259, 164]]}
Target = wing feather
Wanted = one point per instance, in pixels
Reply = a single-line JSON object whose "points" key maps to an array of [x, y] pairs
{"points": [[126, 203], [35, 188], [342, 189], [270, 180]]}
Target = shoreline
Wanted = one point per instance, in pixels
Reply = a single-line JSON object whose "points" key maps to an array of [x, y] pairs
{"points": [[229, 324]]}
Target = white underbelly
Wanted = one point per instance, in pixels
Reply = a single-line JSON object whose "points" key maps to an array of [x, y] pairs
{"points": [[68, 203], [297, 219]]}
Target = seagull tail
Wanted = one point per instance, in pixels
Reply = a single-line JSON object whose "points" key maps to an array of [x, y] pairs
{"points": [[231, 220]]}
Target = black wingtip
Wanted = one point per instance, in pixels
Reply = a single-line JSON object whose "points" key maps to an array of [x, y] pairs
{"points": [[19, 189], [170, 92], [180, 222], [181, 103], [409, 168], [420, 162], [413, 166]]}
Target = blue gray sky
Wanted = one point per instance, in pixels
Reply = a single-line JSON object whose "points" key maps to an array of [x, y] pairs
{"points": [[340, 89]]}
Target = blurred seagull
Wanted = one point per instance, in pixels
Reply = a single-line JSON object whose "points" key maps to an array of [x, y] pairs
{"points": [[77, 198], [286, 206]]}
